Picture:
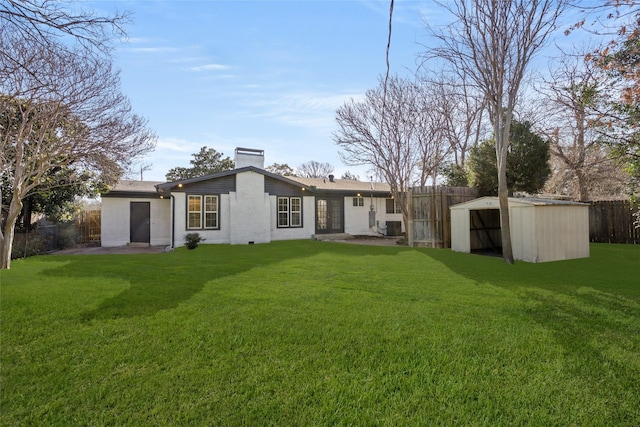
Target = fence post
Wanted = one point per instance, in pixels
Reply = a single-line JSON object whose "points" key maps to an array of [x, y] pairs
{"points": [[446, 228], [409, 226]]}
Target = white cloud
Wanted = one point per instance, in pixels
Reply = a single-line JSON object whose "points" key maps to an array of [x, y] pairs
{"points": [[161, 49], [407, 12], [134, 40], [175, 145], [317, 101], [210, 67], [189, 59], [302, 109]]}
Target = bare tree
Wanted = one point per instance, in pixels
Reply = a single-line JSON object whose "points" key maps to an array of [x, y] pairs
{"points": [[573, 98], [401, 142], [46, 22], [461, 110], [60, 106], [431, 132], [491, 43], [350, 176], [315, 169], [604, 177]]}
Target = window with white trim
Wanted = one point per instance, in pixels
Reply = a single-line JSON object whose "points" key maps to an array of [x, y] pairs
{"points": [[393, 206], [296, 212], [202, 212], [358, 201], [210, 211], [289, 212], [194, 212]]}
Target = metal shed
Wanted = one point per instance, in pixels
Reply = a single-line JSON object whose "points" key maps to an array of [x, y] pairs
{"points": [[541, 229]]}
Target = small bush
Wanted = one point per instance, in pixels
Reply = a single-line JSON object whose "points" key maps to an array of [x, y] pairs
{"points": [[67, 235], [192, 240], [28, 244]]}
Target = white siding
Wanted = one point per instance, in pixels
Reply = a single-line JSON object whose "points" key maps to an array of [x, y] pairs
{"points": [[293, 233], [180, 220], [250, 210], [115, 221], [160, 222], [210, 236], [356, 218], [245, 215]]}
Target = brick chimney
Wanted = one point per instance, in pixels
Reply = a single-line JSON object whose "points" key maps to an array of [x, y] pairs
{"points": [[249, 157]]}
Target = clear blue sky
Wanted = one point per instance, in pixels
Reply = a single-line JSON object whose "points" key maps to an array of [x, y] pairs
{"points": [[257, 74], [260, 74]]}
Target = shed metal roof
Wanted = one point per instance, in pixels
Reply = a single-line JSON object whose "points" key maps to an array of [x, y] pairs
{"points": [[492, 201]]}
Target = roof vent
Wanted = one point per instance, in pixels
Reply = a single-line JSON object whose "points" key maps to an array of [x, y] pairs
{"points": [[331, 178]]}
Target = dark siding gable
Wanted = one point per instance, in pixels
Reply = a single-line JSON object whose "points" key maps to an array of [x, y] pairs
{"points": [[279, 188], [222, 185]]}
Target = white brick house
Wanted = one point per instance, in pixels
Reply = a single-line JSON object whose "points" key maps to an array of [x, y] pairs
{"points": [[243, 206]]}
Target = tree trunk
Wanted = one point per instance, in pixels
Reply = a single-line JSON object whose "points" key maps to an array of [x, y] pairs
{"points": [[25, 214], [406, 205], [9, 230], [505, 223], [502, 143], [7, 246], [583, 189]]}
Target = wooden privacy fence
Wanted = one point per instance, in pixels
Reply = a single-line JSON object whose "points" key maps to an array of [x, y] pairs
{"points": [[429, 215], [613, 222], [88, 226], [430, 219]]}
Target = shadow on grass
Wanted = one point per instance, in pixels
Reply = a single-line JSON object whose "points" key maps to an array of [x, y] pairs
{"points": [[600, 338], [590, 305], [610, 268], [162, 281]]}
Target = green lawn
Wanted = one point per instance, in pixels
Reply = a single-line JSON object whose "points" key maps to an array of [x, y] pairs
{"points": [[313, 333]]}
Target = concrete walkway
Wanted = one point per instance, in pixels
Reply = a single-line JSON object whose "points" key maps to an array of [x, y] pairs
{"points": [[358, 240], [98, 250], [141, 249]]}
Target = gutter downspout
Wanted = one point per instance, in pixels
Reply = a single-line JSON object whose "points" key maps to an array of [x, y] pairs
{"points": [[173, 221]]}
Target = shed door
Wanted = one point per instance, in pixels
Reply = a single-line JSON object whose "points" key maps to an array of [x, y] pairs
{"points": [[329, 215], [485, 232], [140, 222]]}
